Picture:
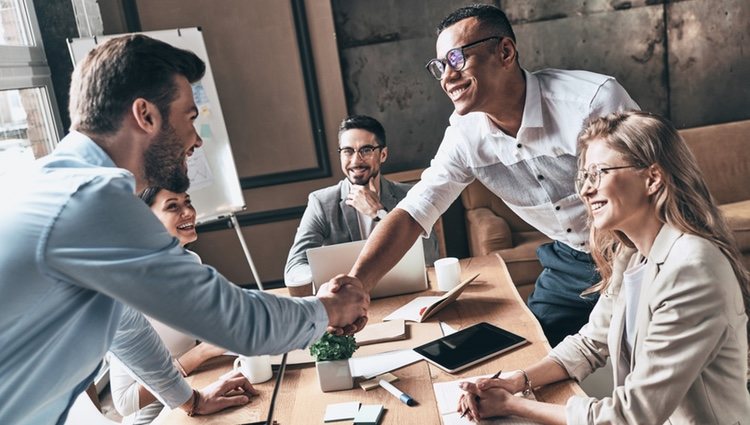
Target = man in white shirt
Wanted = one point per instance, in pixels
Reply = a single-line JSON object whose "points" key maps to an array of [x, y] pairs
{"points": [[516, 132]]}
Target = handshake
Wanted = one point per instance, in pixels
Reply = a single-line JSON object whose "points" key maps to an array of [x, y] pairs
{"points": [[346, 301]]}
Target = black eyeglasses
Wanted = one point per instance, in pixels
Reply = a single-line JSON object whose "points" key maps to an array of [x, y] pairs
{"points": [[455, 58], [594, 175], [364, 152]]}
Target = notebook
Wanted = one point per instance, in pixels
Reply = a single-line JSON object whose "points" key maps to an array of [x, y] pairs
{"points": [[408, 276]]}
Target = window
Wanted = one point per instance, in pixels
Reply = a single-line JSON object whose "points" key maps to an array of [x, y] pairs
{"points": [[29, 123]]}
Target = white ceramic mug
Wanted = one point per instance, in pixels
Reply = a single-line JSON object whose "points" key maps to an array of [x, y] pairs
{"points": [[256, 369], [448, 273]]}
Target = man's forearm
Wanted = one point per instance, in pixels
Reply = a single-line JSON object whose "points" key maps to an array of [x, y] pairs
{"points": [[385, 247]]}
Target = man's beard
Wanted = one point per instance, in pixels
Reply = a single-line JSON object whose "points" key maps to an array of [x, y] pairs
{"points": [[163, 162], [363, 181]]}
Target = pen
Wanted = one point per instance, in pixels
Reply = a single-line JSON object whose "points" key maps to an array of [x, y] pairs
{"points": [[495, 376], [405, 398]]}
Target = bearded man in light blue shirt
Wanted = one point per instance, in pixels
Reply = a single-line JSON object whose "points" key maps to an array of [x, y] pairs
{"points": [[78, 246]]}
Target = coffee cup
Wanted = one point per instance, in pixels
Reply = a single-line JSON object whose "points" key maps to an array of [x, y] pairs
{"points": [[448, 273], [256, 369], [300, 284]]}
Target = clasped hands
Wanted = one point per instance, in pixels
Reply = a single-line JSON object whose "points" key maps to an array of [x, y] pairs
{"points": [[489, 397], [346, 300]]}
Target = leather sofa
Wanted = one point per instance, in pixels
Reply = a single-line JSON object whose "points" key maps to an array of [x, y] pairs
{"points": [[723, 154]]}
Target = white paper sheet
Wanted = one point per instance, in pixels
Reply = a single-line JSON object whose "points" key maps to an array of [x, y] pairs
{"points": [[372, 366]]}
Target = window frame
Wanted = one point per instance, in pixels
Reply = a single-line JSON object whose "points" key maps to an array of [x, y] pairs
{"points": [[26, 67]]}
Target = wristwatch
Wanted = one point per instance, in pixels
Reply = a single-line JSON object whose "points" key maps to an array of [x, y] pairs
{"points": [[380, 214]]}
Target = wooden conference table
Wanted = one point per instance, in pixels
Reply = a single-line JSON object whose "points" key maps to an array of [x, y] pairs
{"points": [[491, 298]]}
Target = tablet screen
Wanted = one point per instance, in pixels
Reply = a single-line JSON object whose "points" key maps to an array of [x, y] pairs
{"points": [[469, 346]]}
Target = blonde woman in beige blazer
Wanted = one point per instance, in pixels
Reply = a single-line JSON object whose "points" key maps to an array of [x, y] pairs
{"points": [[673, 312]]}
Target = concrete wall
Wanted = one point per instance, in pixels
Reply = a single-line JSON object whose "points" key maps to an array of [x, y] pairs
{"points": [[687, 60]]}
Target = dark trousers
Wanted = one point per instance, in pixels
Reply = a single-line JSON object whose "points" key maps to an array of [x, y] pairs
{"points": [[556, 301]]}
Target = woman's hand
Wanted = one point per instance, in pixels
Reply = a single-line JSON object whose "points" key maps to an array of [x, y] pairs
{"points": [[487, 398], [231, 389]]}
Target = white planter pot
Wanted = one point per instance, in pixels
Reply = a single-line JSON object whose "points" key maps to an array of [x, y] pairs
{"points": [[334, 375]]}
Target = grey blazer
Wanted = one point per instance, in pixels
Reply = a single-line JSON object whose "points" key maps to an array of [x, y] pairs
{"points": [[328, 220], [689, 359]]}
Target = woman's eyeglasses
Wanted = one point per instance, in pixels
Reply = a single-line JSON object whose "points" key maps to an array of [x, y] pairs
{"points": [[594, 175]]}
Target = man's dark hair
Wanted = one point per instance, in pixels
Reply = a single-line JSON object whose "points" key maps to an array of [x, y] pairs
{"points": [[490, 17], [364, 122], [114, 74]]}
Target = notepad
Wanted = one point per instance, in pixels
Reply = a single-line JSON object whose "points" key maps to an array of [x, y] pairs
{"points": [[341, 411], [422, 308], [382, 332], [369, 414]]}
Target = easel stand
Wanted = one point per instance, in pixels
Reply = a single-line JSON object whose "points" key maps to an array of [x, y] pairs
{"points": [[236, 226]]}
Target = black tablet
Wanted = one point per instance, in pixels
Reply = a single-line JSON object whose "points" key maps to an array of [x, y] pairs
{"points": [[469, 346]]}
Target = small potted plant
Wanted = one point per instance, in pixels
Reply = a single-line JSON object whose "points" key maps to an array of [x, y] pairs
{"points": [[332, 355]]}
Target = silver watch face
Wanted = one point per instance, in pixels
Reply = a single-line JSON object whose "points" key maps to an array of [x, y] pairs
{"points": [[381, 214]]}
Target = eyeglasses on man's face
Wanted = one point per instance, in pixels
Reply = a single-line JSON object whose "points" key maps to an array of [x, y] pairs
{"points": [[364, 152], [593, 175], [455, 58]]}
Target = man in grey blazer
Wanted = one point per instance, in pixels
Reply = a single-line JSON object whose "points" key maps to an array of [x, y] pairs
{"points": [[349, 210]]}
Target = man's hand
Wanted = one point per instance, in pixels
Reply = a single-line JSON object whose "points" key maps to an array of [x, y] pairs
{"points": [[364, 199], [346, 303], [231, 389]]}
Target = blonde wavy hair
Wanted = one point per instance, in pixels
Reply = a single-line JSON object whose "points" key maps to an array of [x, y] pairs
{"points": [[683, 200]]}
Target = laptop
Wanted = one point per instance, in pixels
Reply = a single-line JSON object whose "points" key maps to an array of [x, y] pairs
{"points": [[407, 276]]}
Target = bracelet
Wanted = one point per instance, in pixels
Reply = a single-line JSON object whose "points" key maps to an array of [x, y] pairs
{"points": [[178, 365], [191, 412], [527, 384]]}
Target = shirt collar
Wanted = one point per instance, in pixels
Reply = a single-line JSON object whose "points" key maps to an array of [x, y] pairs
{"points": [[532, 108], [81, 145]]}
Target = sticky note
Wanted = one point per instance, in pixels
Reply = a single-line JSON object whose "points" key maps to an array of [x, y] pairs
{"points": [[369, 414], [341, 411]]}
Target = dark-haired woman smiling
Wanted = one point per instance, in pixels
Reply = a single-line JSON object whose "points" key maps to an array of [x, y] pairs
{"points": [[131, 399]]}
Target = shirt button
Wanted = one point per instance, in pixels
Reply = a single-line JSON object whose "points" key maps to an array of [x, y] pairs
{"points": [[518, 146], [568, 230], [557, 208], [540, 177]]}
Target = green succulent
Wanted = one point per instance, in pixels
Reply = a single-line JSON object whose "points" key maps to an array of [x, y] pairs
{"points": [[333, 347]]}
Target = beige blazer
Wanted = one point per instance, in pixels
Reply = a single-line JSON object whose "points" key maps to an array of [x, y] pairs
{"points": [[689, 359]]}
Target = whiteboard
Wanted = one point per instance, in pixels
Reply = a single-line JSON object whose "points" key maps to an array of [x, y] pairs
{"points": [[214, 185]]}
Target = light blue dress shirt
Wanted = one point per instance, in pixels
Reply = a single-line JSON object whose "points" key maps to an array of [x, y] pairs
{"points": [[76, 243]]}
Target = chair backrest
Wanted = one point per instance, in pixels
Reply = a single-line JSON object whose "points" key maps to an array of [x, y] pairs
{"points": [[723, 154], [476, 195]]}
